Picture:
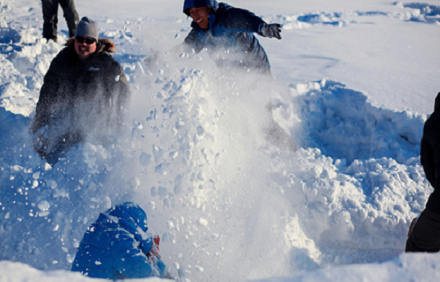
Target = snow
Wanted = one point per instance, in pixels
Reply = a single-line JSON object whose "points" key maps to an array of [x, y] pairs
{"points": [[354, 83]]}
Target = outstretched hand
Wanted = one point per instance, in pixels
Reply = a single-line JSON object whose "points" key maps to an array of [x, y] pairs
{"points": [[153, 59], [271, 30], [154, 252]]}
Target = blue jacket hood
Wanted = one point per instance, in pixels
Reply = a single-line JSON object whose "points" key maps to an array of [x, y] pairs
{"points": [[131, 212], [212, 4], [119, 241]]}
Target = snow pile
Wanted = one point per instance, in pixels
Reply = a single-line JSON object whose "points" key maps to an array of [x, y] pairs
{"points": [[22, 272], [417, 12], [402, 268], [344, 125], [423, 12], [193, 154]]}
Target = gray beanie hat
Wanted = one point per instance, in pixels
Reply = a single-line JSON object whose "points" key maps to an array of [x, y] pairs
{"points": [[87, 28]]}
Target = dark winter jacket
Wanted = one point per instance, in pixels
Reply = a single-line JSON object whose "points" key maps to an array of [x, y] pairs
{"points": [[430, 156], [229, 39], [116, 245], [80, 97]]}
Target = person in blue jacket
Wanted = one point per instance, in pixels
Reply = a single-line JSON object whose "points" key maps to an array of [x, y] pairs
{"points": [[118, 245], [228, 34]]}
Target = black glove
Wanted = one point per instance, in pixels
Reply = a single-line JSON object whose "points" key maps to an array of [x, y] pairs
{"points": [[271, 30]]}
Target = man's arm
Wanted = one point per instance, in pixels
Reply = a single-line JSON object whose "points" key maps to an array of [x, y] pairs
{"points": [[118, 86], [246, 21], [427, 161], [242, 20], [189, 46], [191, 43], [48, 97]]}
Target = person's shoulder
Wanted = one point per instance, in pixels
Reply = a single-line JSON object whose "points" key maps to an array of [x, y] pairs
{"points": [[107, 45], [106, 49], [64, 59], [222, 5], [65, 53], [432, 124], [229, 13], [224, 8]]}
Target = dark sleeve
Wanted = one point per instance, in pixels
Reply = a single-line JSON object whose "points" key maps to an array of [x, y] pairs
{"points": [[191, 42], [437, 167], [427, 160], [48, 96], [242, 20], [117, 86], [431, 165]]}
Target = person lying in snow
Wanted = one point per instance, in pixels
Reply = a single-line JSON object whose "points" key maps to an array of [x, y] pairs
{"points": [[424, 233], [84, 91], [118, 246]]}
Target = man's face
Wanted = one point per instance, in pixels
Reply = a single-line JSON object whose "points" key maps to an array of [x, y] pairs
{"points": [[84, 47], [200, 16]]}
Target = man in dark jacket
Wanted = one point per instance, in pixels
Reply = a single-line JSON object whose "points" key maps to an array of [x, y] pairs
{"points": [[50, 16], [228, 34], [424, 234], [84, 93], [118, 246]]}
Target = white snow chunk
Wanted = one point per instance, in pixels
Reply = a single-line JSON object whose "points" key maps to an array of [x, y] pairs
{"points": [[36, 175], [44, 205], [203, 222]]}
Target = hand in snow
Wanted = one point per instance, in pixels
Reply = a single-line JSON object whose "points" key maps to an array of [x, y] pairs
{"points": [[271, 30], [154, 252], [40, 140]]}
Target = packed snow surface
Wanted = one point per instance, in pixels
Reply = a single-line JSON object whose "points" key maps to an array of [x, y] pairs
{"points": [[353, 85]]}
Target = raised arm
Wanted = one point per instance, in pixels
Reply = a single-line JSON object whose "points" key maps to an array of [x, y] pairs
{"points": [[246, 21]]}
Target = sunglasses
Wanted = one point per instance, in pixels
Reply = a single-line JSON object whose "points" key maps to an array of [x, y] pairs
{"points": [[87, 40]]}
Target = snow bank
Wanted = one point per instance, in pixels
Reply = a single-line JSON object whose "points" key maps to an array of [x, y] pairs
{"points": [[18, 272], [422, 12], [345, 126], [416, 12], [402, 268]]}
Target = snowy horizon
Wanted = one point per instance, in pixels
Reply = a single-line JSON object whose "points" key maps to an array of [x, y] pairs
{"points": [[353, 85]]}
